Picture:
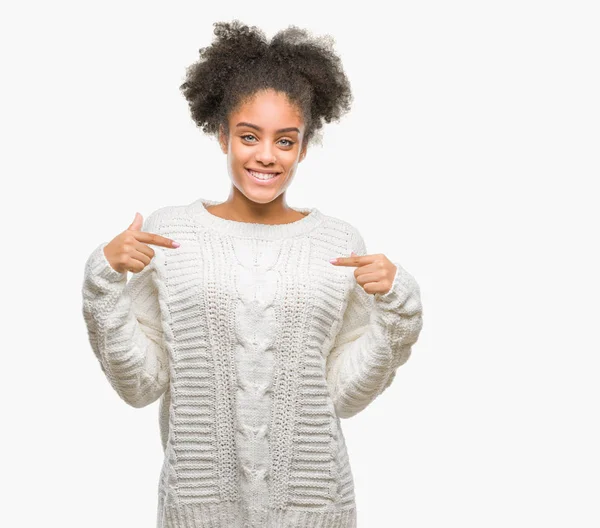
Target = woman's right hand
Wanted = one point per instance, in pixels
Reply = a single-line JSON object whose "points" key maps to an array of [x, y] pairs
{"points": [[129, 250]]}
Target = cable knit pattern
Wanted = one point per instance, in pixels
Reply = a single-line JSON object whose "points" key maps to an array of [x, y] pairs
{"points": [[256, 332], [256, 347]]}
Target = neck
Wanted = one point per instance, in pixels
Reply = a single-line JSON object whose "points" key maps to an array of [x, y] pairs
{"points": [[240, 208]]}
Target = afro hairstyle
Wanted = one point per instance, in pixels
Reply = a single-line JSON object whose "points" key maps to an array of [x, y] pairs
{"points": [[241, 62]]}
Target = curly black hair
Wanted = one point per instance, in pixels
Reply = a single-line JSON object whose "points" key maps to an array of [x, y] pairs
{"points": [[241, 62]]}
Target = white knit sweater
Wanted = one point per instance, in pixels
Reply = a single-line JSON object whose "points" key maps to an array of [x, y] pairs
{"points": [[256, 346]]}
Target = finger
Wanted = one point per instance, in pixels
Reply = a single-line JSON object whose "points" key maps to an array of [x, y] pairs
{"points": [[156, 240], [353, 261], [372, 288], [365, 278], [140, 257], [134, 265], [144, 248], [137, 223]]}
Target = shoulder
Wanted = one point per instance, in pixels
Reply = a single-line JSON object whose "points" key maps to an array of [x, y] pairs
{"points": [[160, 220], [346, 232]]}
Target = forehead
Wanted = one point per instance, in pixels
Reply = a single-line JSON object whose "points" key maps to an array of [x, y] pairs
{"points": [[268, 110]]}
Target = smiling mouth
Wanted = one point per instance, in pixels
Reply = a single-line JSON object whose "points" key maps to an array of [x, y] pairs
{"points": [[262, 175]]}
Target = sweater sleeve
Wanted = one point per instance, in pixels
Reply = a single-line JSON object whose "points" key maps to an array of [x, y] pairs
{"points": [[123, 320], [375, 338]]}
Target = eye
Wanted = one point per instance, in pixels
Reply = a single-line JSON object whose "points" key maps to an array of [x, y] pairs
{"points": [[290, 143], [247, 136]]}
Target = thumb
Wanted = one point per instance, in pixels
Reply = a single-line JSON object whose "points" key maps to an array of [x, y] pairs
{"points": [[137, 223]]}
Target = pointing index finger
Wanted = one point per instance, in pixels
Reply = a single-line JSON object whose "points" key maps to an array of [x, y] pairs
{"points": [[350, 261], [157, 240]]}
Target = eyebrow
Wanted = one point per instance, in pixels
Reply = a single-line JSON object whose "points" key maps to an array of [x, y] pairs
{"points": [[288, 129]]}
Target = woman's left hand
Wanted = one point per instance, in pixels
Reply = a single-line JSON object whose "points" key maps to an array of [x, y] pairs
{"points": [[374, 273]]}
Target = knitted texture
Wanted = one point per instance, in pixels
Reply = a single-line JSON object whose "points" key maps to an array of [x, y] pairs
{"points": [[256, 346]]}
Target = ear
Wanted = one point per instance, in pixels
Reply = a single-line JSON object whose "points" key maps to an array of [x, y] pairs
{"points": [[223, 140]]}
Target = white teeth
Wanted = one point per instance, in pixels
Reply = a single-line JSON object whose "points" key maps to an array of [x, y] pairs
{"points": [[262, 176]]}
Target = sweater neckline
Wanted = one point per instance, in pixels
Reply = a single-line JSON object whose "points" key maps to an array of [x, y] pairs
{"points": [[252, 229]]}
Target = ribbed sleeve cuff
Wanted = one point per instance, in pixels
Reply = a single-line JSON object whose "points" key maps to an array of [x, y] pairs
{"points": [[100, 267]]}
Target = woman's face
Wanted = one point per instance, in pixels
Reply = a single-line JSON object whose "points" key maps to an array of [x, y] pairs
{"points": [[265, 136]]}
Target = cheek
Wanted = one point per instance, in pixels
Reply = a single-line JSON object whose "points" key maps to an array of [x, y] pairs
{"points": [[291, 159], [241, 153], [233, 156]]}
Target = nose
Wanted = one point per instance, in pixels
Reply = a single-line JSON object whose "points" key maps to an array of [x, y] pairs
{"points": [[266, 155]]}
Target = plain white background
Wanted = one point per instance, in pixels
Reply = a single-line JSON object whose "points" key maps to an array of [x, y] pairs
{"points": [[470, 156]]}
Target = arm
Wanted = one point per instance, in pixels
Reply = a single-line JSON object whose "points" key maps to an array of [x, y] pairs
{"points": [[375, 338], [124, 326]]}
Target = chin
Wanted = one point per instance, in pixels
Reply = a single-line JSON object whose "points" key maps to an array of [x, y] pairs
{"points": [[265, 198]]}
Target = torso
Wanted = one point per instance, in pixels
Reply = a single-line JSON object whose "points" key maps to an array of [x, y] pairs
{"points": [[252, 315]]}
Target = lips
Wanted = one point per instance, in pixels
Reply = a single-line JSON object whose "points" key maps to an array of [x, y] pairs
{"points": [[264, 171]]}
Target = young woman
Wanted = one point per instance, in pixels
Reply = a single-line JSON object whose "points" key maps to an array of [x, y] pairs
{"points": [[256, 343]]}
